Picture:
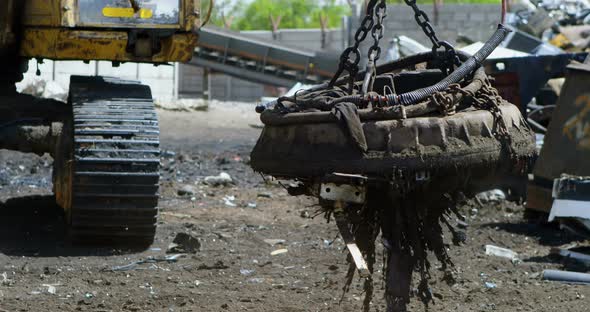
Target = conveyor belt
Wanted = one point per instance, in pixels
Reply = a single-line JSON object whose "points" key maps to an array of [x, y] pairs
{"points": [[261, 61]]}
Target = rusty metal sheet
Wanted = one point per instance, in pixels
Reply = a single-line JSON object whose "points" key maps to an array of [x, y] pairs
{"points": [[42, 13], [538, 198], [508, 85], [567, 143]]}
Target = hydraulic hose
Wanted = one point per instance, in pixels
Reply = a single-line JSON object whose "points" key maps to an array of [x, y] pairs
{"points": [[467, 68]]}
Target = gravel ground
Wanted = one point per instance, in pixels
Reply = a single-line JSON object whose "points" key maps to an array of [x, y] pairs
{"points": [[238, 227]]}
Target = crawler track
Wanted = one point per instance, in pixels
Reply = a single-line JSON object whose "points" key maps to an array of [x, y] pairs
{"points": [[116, 161]]}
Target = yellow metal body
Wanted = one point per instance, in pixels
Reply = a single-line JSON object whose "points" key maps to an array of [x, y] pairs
{"points": [[54, 29], [66, 44]]}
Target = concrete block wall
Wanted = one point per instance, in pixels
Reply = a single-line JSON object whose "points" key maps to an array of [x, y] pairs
{"points": [[223, 87], [476, 21], [161, 79], [191, 82]]}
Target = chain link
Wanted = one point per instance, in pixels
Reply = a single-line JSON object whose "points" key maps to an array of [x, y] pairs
{"points": [[374, 52], [488, 98], [444, 102], [424, 22], [450, 55], [351, 56], [378, 30]]}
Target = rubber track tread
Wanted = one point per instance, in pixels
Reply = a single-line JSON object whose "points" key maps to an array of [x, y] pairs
{"points": [[116, 161]]}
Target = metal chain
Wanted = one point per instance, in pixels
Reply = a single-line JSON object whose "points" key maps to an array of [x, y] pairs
{"points": [[489, 99], [424, 22], [374, 52], [350, 58], [444, 101], [451, 58], [378, 30]]}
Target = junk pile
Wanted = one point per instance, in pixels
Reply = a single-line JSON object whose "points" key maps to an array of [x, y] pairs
{"points": [[570, 206], [563, 23], [562, 170], [555, 98], [390, 150]]}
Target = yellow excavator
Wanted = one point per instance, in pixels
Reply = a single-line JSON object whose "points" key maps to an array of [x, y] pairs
{"points": [[105, 139]]}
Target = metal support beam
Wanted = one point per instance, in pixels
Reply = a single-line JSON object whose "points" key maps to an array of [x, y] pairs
{"points": [[261, 61], [242, 73]]}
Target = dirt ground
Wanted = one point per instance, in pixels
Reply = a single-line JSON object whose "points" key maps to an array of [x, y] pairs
{"points": [[234, 269]]}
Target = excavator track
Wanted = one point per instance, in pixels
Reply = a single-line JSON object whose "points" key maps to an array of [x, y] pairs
{"points": [[115, 161]]}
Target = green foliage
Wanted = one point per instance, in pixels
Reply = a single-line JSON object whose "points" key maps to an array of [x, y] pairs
{"points": [[451, 1], [293, 13]]}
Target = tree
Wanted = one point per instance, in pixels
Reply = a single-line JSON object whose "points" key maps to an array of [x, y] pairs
{"points": [[224, 11], [293, 13]]}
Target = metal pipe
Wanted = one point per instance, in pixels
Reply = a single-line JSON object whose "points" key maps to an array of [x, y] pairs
{"points": [[537, 125], [538, 108], [566, 277]]}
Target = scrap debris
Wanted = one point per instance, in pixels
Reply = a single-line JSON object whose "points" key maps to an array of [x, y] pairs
{"points": [[223, 179], [492, 250], [184, 243], [51, 288], [410, 202], [135, 265], [571, 201], [279, 252]]}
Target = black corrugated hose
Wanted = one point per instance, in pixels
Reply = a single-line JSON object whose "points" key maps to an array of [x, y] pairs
{"points": [[465, 69]]}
